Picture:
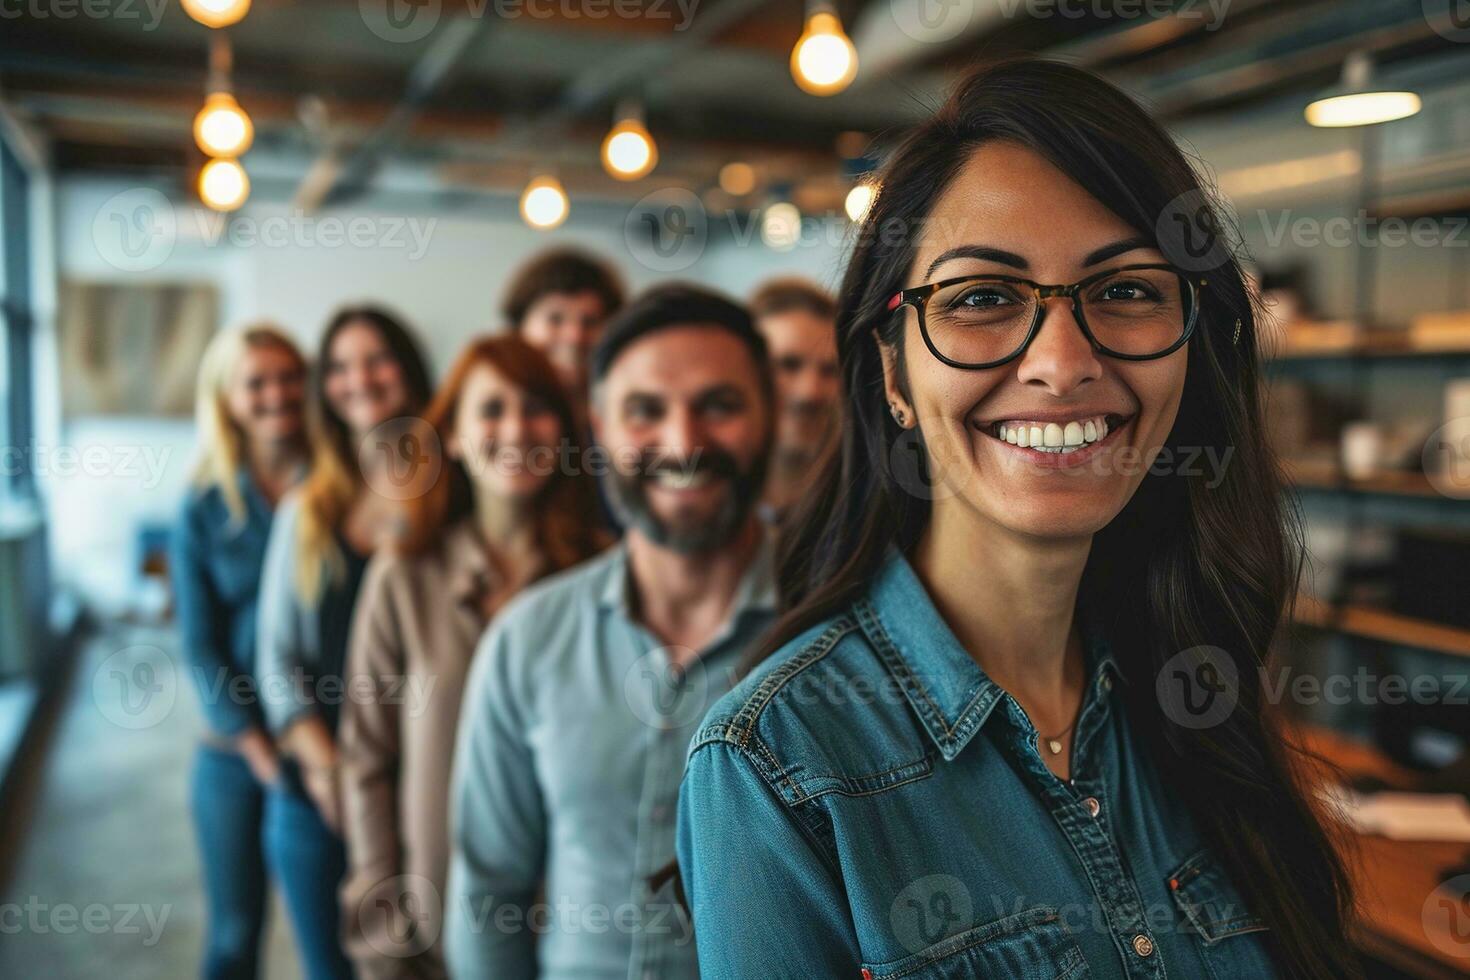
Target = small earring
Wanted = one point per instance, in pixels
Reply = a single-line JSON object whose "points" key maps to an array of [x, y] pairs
{"points": [[897, 413], [1236, 339]]}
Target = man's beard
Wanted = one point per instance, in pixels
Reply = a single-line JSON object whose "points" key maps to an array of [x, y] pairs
{"points": [[627, 495]]}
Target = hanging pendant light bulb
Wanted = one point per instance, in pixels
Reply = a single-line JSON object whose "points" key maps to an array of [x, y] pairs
{"points": [[1357, 104], [223, 185], [628, 151], [222, 129], [216, 13], [544, 203], [824, 61]]}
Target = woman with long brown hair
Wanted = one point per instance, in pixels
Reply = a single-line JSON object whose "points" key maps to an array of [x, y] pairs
{"points": [[1013, 723], [369, 373], [507, 508]]}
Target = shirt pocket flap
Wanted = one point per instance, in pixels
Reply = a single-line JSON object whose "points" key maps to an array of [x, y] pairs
{"points": [[1210, 902], [1030, 945]]}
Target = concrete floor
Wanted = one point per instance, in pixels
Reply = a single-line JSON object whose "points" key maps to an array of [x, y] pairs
{"points": [[107, 881]]}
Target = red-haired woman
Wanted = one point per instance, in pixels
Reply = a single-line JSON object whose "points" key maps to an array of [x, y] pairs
{"points": [[505, 510]]}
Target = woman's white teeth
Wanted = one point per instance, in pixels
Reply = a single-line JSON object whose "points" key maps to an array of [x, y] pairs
{"points": [[1054, 437]]}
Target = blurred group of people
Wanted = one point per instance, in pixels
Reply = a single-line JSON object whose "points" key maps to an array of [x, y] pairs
{"points": [[964, 718], [333, 610]]}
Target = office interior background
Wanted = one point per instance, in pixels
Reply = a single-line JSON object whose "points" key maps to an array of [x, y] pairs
{"points": [[414, 152]]}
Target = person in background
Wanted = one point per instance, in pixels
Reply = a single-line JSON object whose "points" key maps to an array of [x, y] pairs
{"points": [[799, 321], [252, 435], [587, 686], [369, 371], [500, 515], [558, 302]]}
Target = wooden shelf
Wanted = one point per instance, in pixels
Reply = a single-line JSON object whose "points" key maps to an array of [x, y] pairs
{"points": [[1381, 624], [1392, 878], [1374, 351], [1393, 484]]}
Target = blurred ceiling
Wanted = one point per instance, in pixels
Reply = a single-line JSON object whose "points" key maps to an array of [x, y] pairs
{"points": [[477, 94]]}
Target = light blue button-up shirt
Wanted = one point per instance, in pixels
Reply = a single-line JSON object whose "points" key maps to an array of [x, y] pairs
{"points": [[869, 803], [571, 746]]}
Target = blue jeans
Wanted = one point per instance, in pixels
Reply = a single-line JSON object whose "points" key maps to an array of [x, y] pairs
{"points": [[228, 806], [308, 861]]}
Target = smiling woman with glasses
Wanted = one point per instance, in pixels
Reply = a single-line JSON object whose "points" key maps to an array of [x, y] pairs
{"points": [[1011, 723]]}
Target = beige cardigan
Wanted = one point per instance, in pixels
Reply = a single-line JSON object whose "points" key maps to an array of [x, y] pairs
{"points": [[414, 630]]}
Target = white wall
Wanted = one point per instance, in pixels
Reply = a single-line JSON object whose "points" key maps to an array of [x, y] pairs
{"points": [[443, 271]]}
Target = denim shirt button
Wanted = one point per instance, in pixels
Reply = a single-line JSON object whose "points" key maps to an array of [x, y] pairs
{"points": [[1107, 682], [1142, 945], [1093, 806]]}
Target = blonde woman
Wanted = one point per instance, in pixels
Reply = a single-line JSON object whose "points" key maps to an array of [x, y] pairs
{"points": [[251, 390], [369, 371]]}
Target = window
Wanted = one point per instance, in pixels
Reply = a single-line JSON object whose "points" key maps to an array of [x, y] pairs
{"points": [[15, 319]]}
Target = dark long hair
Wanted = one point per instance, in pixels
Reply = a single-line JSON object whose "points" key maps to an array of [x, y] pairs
{"points": [[564, 513], [1181, 566]]}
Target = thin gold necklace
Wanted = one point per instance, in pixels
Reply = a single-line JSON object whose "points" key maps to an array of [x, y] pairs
{"points": [[1054, 742]]}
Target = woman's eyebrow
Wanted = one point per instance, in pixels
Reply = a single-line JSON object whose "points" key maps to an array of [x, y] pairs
{"points": [[987, 253], [978, 252], [1117, 248]]}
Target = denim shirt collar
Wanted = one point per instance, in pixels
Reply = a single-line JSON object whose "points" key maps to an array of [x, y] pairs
{"points": [[755, 593], [947, 689]]}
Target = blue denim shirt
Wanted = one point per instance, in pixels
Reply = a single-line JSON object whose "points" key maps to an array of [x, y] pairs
{"points": [[215, 565], [571, 746], [867, 803]]}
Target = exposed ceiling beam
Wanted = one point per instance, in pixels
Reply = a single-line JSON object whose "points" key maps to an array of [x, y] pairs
{"points": [[334, 179], [600, 83]]}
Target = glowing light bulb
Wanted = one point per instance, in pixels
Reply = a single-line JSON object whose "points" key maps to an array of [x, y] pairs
{"points": [[781, 226], [223, 184], [1362, 109], [628, 151], [216, 13], [859, 199], [222, 129], [824, 61], [737, 178], [544, 203]]}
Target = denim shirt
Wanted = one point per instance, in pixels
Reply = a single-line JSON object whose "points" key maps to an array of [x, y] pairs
{"points": [[301, 647], [571, 746], [867, 803], [215, 566]]}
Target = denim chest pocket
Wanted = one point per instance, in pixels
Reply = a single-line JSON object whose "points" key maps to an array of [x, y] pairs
{"points": [[1030, 945], [1232, 940]]}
